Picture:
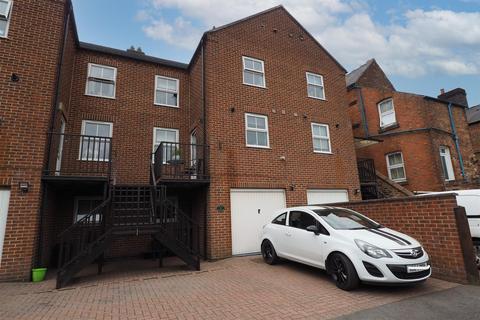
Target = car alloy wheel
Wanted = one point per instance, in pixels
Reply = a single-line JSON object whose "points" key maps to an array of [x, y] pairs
{"points": [[339, 272], [268, 252], [343, 272]]}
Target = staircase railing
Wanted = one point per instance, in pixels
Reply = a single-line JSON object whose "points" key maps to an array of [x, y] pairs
{"points": [[81, 235], [178, 226]]}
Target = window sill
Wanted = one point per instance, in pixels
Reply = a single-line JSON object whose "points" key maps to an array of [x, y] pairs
{"points": [[253, 85], [96, 96], [257, 147], [322, 152], [389, 127], [401, 182], [321, 99], [165, 105]]}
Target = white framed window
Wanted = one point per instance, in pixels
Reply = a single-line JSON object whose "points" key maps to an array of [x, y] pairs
{"points": [[253, 72], [101, 81], [321, 138], [95, 141], [85, 205], [386, 110], [170, 149], [256, 131], [5, 13], [446, 160], [315, 88], [166, 91], [396, 167]]}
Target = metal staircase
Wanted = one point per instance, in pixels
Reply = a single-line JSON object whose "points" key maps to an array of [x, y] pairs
{"points": [[128, 210]]}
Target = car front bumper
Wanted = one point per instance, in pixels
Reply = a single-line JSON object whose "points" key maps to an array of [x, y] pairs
{"points": [[394, 270]]}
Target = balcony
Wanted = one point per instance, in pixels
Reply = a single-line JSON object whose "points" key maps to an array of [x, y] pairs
{"points": [[181, 162], [80, 156]]}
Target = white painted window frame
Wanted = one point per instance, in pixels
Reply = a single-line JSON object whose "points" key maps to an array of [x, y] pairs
{"points": [[84, 122], [114, 81], [254, 71], [382, 114], [321, 137], [402, 165], [177, 138], [315, 85], [79, 198], [177, 91], [247, 128], [8, 17], [448, 161]]}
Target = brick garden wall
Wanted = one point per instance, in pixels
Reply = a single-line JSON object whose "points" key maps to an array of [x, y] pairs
{"points": [[431, 220]]}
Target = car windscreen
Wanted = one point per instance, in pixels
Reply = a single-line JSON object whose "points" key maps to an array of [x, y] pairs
{"points": [[343, 219]]}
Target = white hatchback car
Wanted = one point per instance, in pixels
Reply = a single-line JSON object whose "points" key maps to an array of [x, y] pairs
{"points": [[348, 245]]}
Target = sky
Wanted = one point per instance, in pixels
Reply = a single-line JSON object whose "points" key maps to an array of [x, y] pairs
{"points": [[422, 45]]}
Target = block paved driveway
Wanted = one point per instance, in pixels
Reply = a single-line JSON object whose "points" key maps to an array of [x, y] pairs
{"points": [[236, 288]]}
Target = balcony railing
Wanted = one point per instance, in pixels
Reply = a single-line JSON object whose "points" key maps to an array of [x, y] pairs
{"points": [[181, 162], [79, 155]]}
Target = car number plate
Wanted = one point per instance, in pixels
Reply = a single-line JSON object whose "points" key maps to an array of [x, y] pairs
{"points": [[417, 267]]}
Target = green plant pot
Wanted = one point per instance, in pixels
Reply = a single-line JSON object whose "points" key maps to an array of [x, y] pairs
{"points": [[38, 274]]}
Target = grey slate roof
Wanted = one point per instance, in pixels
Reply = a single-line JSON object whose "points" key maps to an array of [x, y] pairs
{"points": [[132, 55], [354, 75], [473, 114]]}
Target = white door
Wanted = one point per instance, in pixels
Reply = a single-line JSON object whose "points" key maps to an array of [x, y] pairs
{"points": [[60, 148], [4, 200], [251, 210], [324, 196]]}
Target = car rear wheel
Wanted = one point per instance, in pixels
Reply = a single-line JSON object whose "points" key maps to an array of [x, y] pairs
{"points": [[268, 253], [343, 272]]}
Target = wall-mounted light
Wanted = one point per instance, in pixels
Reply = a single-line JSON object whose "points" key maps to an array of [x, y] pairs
{"points": [[23, 186], [356, 191], [292, 187]]}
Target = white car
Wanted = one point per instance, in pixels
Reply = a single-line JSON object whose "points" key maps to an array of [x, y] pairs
{"points": [[348, 245]]}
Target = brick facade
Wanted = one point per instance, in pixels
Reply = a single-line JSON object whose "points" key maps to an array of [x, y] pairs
{"points": [[422, 126], [212, 98], [31, 51]]}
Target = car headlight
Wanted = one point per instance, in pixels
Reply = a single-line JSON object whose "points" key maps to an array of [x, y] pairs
{"points": [[371, 250]]}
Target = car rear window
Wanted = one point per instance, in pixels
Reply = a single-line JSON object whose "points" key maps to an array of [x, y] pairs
{"points": [[281, 219]]}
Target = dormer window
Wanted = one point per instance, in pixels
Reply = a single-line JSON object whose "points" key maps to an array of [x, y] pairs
{"points": [[166, 91], [101, 81], [386, 111], [5, 10]]}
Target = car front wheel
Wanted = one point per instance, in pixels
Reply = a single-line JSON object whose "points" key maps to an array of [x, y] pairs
{"points": [[268, 253], [343, 272]]}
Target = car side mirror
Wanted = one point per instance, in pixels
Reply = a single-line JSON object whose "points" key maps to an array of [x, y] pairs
{"points": [[314, 229]]}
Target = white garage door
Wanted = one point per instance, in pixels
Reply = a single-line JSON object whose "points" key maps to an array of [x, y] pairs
{"points": [[324, 196], [251, 210], [4, 199]]}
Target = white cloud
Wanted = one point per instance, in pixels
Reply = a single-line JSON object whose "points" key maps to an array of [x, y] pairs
{"points": [[416, 42]]}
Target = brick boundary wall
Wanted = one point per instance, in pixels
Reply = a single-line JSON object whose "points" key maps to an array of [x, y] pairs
{"points": [[437, 222]]}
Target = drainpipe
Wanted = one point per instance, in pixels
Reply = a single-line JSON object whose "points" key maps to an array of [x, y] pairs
{"points": [[455, 139], [361, 107], [43, 192], [205, 150]]}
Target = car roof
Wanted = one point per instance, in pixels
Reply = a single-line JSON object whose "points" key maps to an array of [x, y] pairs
{"points": [[310, 207]]}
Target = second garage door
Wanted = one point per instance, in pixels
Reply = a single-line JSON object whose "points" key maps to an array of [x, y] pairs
{"points": [[251, 210], [324, 196]]}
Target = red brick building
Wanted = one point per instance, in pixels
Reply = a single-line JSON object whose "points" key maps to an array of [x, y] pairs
{"points": [[473, 118], [420, 142], [256, 121]]}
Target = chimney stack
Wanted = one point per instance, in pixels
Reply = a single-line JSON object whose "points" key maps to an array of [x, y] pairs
{"points": [[457, 96]]}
